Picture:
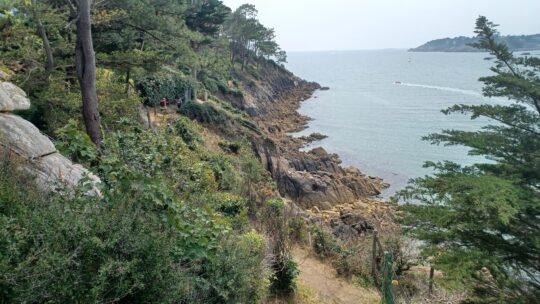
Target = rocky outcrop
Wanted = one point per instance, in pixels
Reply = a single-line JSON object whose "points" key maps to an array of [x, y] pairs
{"points": [[12, 98], [311, 179], [313, 137], [33, 151], [350, 225], [315, 178]]}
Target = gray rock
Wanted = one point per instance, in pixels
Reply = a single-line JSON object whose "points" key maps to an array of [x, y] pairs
{"points": [[3, 75], [23, 138], [34, 152], [344, 232], [12, 98], [56, 171]]}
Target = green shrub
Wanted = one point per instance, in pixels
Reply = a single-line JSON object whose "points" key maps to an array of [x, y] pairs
{"points": [[285, 269], [121, 249], [237, 274], [298, 230], [284, 279], [231, 205], [186, 130], [206, 113], [324, 243], [81, 250], [224, 171], [232, 147], [74, 143], [154, 88]]}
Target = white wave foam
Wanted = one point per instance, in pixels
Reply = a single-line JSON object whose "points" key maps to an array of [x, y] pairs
{"points": [[455, 90]]}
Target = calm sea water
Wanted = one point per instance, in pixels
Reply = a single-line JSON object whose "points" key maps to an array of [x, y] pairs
{"points": [[381, 103]]}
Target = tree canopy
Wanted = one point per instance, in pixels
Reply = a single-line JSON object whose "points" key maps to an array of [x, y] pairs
{"points": [[480, 223]]}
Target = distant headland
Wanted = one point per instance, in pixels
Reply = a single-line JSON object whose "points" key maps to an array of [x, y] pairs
{"points": [[462, 44]]}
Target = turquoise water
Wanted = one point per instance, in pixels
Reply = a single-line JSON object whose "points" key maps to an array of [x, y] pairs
{"points": [[381, 103]]}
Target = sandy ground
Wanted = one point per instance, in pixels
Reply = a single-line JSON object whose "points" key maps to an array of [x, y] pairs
{"points": [[323, 280]]}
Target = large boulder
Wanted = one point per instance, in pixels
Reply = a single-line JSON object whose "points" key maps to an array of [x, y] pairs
{"points": [[33, 151], [37, 155], [12, 98], [23, 138], [54, 171]]}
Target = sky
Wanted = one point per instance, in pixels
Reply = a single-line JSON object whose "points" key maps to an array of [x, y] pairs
{"points": [[318, 25]]}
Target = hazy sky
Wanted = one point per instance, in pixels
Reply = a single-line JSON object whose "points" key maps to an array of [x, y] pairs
{"points": [[310, 25]]}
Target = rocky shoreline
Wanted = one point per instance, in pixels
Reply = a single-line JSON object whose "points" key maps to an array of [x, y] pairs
{"points": [[323, 190], [340, 197], [314, 178]]}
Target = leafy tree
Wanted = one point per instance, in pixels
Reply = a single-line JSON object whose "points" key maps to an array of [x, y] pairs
{"points": [[207, 17], [479, 223]]}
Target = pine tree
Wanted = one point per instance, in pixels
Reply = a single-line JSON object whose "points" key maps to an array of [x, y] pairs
{"points": [[481, 223]]}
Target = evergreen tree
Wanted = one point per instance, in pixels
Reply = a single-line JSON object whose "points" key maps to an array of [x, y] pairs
{"points": [[480, 223], [207, 17]]}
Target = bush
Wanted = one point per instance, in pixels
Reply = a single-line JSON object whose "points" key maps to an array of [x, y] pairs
{"points": [[284, 279], [206, 113], [224, 171], [238, 273], [58, 251], [232, 147], [298, 230], [324, 243], [187, 131], [231, 205], [154, 88], [75, 144], [285, 269]]}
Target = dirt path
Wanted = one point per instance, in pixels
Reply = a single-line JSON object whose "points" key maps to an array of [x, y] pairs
{"points": [[322, 279]]}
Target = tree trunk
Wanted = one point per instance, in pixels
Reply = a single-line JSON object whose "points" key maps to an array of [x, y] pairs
{"points": [[194, 74], [85, 62], [128, 85], [43, 34], [187, 96]]}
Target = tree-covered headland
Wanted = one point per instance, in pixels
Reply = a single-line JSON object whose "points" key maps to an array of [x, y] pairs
{"points": [[180, 220]]}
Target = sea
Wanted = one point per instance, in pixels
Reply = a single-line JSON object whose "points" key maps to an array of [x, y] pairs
{"points": [[382, 102]]}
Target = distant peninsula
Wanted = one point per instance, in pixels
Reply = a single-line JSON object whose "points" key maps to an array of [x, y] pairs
{"points": [[461, 44]]}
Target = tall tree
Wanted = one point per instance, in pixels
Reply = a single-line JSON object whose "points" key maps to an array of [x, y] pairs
{"points": [[85, 63], [249, 38], [207, 17], [43, 34], [480, 223]]}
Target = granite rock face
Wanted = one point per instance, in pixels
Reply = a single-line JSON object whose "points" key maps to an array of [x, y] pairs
{"points": [[315, 178], [35, 153], [23, 137], [12, 98]]}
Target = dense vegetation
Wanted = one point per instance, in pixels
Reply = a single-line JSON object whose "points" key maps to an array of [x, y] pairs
{"points": [[178, 222], [187, 213], [480, 223], [463, 44]]}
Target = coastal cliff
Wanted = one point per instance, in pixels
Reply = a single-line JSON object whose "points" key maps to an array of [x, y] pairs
{"points": [[314, 178]]}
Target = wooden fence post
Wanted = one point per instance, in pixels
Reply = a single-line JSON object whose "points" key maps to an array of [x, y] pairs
{"points": [[374, 256], [388, 276], [431, 277]]}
